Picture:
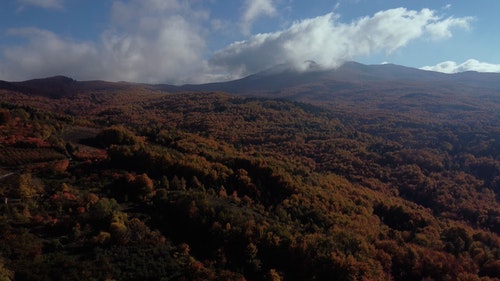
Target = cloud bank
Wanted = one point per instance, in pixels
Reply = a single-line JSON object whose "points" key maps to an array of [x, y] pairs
{"points": [[469, 65], [154, 41], [45, 54], [147, 41], [167, 42], [329, 42]]}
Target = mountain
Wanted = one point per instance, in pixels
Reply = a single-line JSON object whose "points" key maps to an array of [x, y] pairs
{"points": [[386, 88], [279, 80], [373, 90], [284, 82]]}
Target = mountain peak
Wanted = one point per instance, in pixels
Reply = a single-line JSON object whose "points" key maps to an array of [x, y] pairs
{"points": [[50, 79], [60, 78]]}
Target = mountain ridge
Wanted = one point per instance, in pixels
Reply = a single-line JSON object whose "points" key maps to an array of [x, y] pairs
{"points": [[276, 80], [352, 73]]}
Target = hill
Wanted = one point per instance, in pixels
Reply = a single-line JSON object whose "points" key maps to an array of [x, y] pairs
{"points": [[393, 179], [61, 86]]}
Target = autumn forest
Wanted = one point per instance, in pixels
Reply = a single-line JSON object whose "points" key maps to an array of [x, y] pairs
{"points": [[345, 180]]}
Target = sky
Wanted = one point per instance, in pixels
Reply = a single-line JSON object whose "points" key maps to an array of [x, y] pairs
{"points": [[199, 41]]}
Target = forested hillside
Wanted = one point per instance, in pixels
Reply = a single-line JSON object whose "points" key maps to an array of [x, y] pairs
{"points": [[137, 184]]}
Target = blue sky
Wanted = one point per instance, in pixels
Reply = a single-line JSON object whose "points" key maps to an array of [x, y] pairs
{"points": [[196, 41]]}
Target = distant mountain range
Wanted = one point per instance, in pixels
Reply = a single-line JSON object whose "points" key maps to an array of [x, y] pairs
{"points": [[353, 77], [279, 80], [386, 86]]}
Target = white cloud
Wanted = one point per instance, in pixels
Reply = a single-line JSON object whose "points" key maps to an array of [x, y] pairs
{"points": [[52, 4], [153, 41], [47, 54], [255, 9], [329, 42], [148, 41], [164, 41], [441, 29], [469, 65]]}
